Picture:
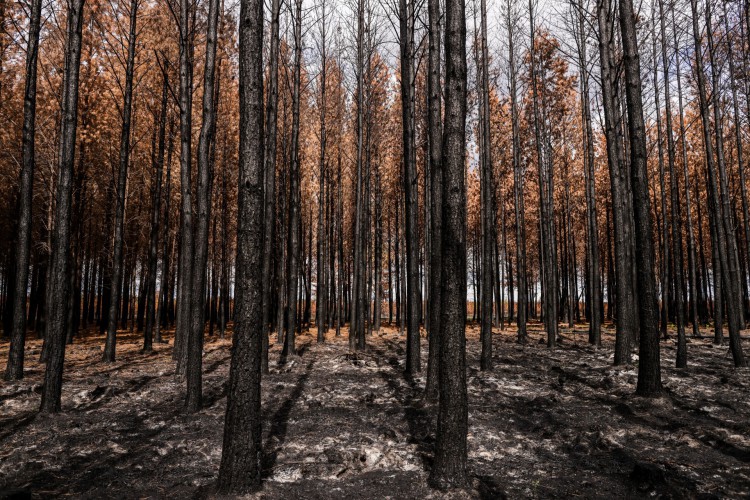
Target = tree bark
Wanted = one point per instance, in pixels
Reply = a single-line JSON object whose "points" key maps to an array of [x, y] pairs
{"points": [[321, 290], [726, 277], [293, 234], [240, 469], [434, 139], [449, 467], [626, 322], [593, 276], [194, 366], [649, 367], [158, 164], [518, 178], [410, 181], [185, 274], [548, 268], [695, 293], [681, 359], [487, 199], [117, 271], [58, 287], [14, 368]]}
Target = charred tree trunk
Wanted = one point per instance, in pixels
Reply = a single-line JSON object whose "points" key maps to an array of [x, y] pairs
{"points": [[58, 287], [185, 273], [109, 349], [358, 303], [434, 139], [548, 275], [649, 366], [626, 321], [240, 469], [518, 190], [269, 171], [726, 277], [293, 231], [449, 467], [593, 276], [675, 202], [158, 163], [487, 198], [695, 293], [194, 366], [14, 368], [410, 181]]}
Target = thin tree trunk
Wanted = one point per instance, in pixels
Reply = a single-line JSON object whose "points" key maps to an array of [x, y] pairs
{"points": [[410, 181], [166, 280], [681, 359], [733, 274], [434, 139], [487, 199], [158, 163], [695, 293], [58, 287], [548, 275], [14, 368], [593, 287], [194, 368], [649, 367], [665, 247], [109, 349], [728, 279], [625, 305], [293, 234], [518, 178], [186, 265]]}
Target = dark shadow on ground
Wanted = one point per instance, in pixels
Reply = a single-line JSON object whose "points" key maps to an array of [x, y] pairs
{"points": [[279, 423]]}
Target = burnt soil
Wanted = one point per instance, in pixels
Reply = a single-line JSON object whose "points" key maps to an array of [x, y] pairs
{"points": [[543, 423]]}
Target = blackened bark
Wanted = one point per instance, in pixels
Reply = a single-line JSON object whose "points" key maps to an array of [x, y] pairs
{"points": [[449, 467], [241, 452], [681, 360], [269, 170], [740, 157], [734, 297], [626, 322], [293, 231], [593, 275], [357, 305], [548, 244], [203, 217], [487, 199], [695, 293], [158, 163], [185, 272], [729, 283], [165, 301], [413, 301], [434, 139], [58, 287], [122, 178], [518, 178], [649, 367], [14, 368], [666, 251]]}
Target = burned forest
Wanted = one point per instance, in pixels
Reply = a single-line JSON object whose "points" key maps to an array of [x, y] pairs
{"points": [[374, 249]]}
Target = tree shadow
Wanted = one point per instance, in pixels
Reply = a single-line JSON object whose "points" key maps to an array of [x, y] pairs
{"points": [[410, 399], [280, 422]]}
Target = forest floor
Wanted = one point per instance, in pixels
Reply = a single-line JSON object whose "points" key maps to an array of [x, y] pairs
{"points": [[542, 424]]}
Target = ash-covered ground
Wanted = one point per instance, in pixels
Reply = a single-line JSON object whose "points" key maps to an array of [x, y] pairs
{"points": [[543, 424]]}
